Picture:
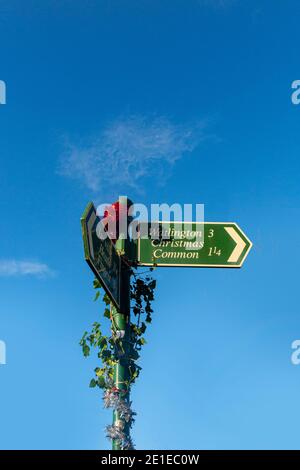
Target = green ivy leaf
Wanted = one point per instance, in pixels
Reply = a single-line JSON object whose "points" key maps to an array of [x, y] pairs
{"points": [[97, 284], [102, 343], [105, 354], [142, 341], [86, 350], [101, 382], [107, 313], [93, 383], [82, 341], [97, 296], [99, 372]]}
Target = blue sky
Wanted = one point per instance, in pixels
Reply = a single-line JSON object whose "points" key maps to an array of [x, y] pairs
{"points": [[166, 101]]}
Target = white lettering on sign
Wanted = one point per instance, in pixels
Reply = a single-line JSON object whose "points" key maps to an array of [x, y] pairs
{"points": [[159, 253]]}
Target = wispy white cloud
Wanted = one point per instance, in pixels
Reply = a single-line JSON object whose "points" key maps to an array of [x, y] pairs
{"points": [[11, 267], [129, 150]]}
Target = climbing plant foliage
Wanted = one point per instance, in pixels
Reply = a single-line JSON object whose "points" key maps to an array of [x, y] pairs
{"points": [[112, 349]]}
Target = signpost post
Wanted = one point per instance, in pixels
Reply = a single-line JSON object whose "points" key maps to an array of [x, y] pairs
{"points": [[105, 259], [122, 322]]}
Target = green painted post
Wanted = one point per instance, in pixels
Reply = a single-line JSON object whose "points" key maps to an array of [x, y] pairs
{"points": [[120, 373], [122, 322]]}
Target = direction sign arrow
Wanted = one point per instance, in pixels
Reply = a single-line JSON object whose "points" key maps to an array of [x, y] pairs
{"points": [[101, 256], [196, 244], [240, 244]]}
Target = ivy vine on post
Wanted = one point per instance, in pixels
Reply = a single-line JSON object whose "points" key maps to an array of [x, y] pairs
{"points": [[110, 349]]}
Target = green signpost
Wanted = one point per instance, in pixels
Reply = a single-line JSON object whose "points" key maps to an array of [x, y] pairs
{"points": [[101, 256], [197, 244], [169, 244]]}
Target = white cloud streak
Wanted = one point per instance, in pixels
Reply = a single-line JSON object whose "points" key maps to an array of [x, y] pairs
{"points": [[11, 268], [129, 150]]}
